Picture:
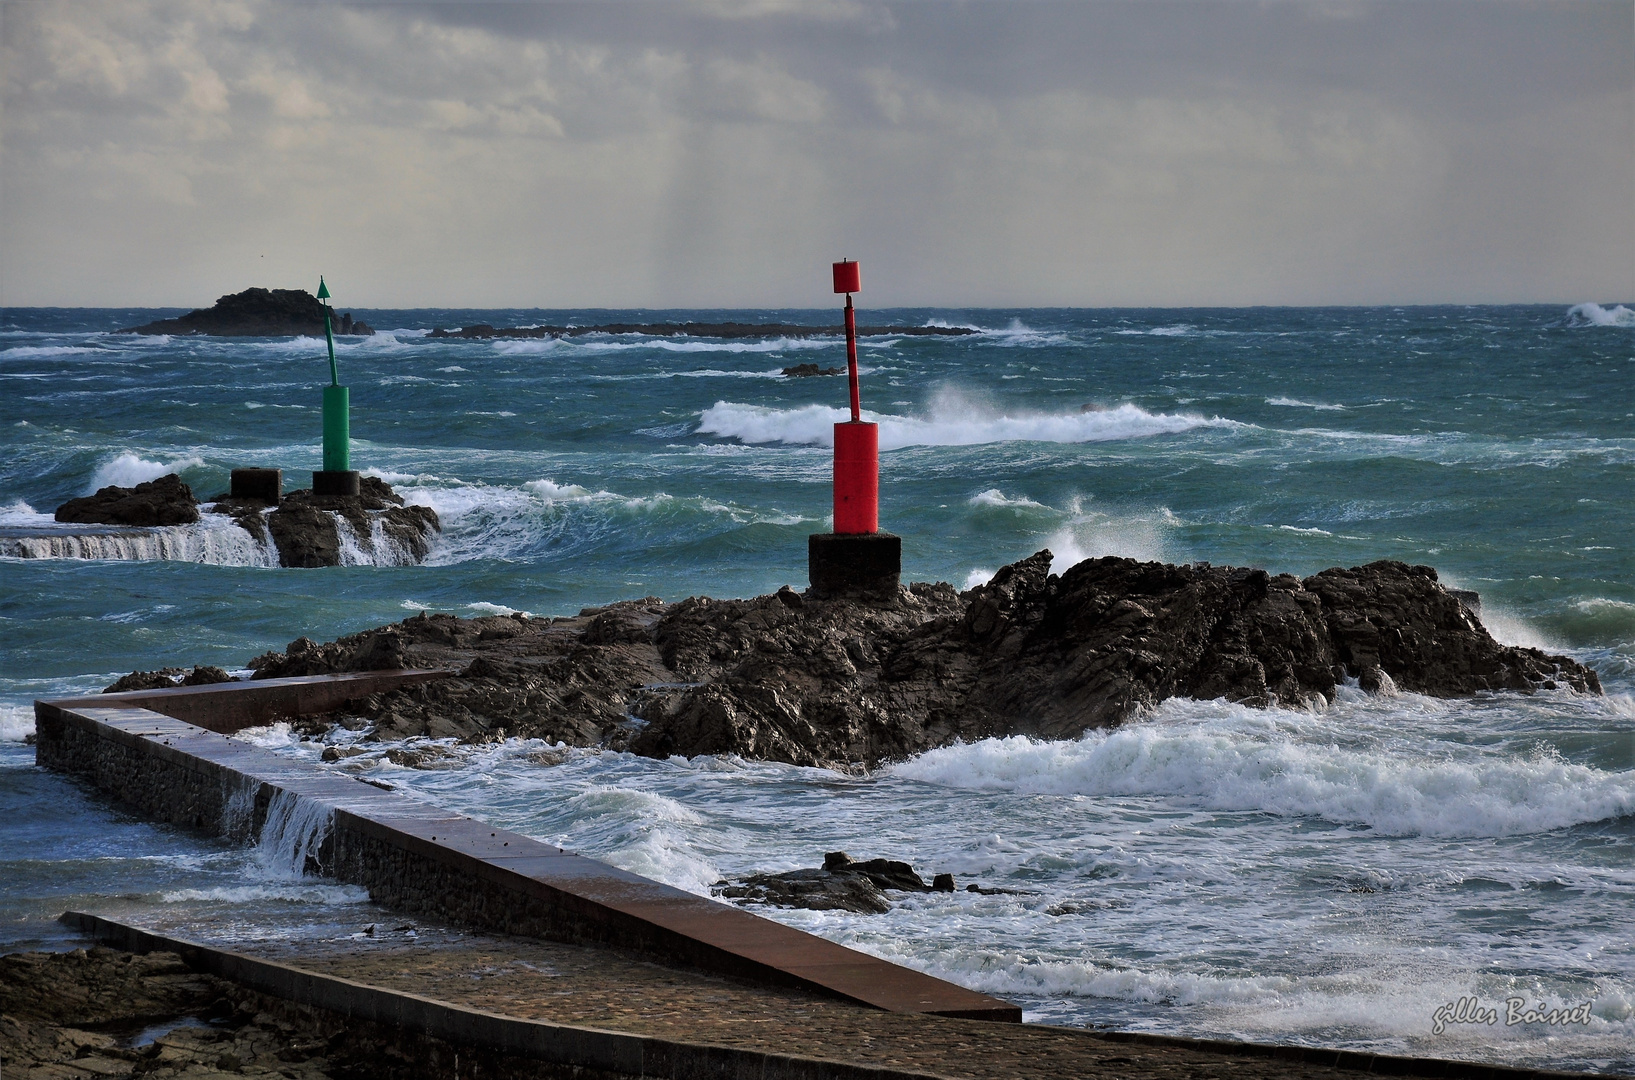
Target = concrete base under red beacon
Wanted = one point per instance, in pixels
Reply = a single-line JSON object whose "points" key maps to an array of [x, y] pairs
{"points": [[856, 565]]}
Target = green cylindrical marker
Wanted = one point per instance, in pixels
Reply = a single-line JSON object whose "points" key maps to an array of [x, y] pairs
{"points": [[337, 403], [337, 430]]}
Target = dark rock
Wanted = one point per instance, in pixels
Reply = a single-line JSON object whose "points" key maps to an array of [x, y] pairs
{"points": [[165, 501], [845, 683], [256, 313], [306, 528], [885, 873], [163, 679], [1398, 619], [817, 890], [842, 883], [801, 371]]}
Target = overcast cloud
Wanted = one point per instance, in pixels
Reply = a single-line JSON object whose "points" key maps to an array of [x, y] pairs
{"points": [[723, 152]]}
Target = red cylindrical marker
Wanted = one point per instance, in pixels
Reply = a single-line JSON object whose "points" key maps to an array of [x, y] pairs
{"points": [[857, 478]]}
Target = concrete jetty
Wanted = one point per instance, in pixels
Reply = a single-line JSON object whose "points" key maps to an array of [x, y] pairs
{"points": [[415, 857]]}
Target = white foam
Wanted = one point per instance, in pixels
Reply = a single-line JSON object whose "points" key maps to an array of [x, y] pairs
{"points": [[1596, 315], [953, 419], [128, 470], [995, 497], [16, 722], [314, 893], [482, 607], [978, 576], [18, 512], [1271, 768], [664, 344], [1507, 627], [22, 352], [214, 539], [1296, 403], [552, 492], [1094, 534]]}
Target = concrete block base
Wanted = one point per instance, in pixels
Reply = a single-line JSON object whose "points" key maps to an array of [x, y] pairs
{"points": [[266, 485], [854, 564], [338, 482]]}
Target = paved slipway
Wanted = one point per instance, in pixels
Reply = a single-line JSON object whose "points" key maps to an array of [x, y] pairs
{"points": [[1318, 873], [105, 1012]]}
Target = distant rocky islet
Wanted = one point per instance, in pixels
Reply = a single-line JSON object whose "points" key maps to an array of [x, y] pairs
{"points": [[258, 313]]}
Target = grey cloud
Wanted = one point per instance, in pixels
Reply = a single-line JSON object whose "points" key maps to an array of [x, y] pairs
{"points": [[717, 152]]}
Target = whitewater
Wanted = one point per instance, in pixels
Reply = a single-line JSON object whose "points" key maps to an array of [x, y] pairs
{"points": [[1329, 876]]}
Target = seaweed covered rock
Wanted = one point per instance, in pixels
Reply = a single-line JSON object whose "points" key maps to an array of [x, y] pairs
{"points": [[849, 683], [165, 501]]}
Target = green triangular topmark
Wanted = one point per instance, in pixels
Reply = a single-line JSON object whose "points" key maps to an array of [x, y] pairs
{"points": [[323, 290]]}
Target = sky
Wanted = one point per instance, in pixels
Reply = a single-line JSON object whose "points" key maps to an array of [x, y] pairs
{"points": [[721, 153]]}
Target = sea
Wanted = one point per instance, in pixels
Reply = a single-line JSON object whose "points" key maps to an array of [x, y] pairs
{"points": [[1340, 876]]}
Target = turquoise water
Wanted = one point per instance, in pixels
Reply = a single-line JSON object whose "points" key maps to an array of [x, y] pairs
{"points": [[1325, 877]]}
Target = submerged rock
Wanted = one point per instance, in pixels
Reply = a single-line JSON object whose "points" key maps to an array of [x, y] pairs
{"points": [[849, 683], [258, 313], [165, 501]]}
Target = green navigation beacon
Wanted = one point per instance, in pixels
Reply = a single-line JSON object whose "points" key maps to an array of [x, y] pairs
{"points": [[337, 477]]}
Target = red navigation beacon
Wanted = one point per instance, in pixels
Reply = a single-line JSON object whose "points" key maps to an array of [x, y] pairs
{"points": [[857, 444], [857, 559]]}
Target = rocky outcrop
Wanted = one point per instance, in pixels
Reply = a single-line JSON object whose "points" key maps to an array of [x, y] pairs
{"points": [[165, 501], [806, 371], [258, 313], [306, 528], [854, 683], [693, 329]]}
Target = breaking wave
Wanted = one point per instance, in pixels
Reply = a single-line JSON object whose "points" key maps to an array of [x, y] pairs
{"points": [[1245, 763], [1596, 315], [951, 421], [128, 470]]}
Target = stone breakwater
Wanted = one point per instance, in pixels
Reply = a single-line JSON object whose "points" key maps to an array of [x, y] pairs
{"points": [[846, 683], [415, 857]]}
